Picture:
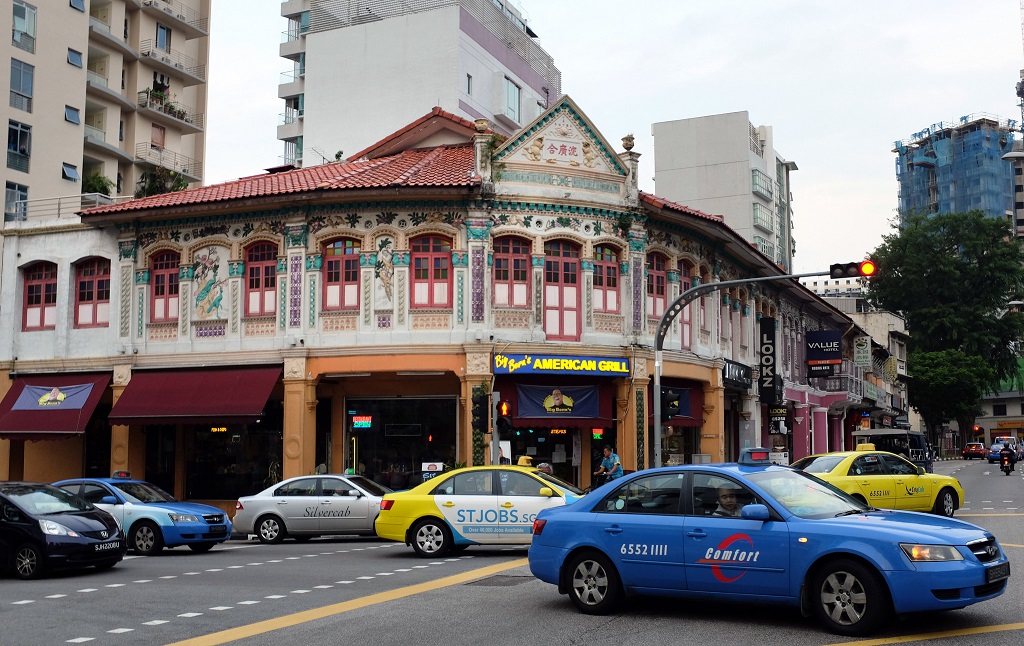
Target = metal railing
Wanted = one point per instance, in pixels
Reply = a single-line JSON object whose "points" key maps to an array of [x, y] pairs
{"points": [[289, 117], [173, 58], [97, 79], [17, 161], [291, 77], [169, 159], [58, 207], [95, 133], [182, 12], [99, 24], [149, 99]]}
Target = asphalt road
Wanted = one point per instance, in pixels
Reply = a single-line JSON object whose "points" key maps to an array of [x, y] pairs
{"points": [[370, 592]]}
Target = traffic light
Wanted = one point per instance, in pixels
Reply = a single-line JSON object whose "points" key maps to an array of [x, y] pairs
{"points": [[481, 405], [978, 430], [669, 403], [862, 269], [503, 417]]}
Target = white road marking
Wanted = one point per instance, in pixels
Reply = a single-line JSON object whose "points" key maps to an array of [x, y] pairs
{"points": [[235, 567], [114, 585], [143, 581], [341, 551], [384, 573], [22, 602], [308, 556], [420, 567], [189, 615], [437, 563], [373, 547], [173, 576], [344, 582], [452, 560], [56, 596], [80, 640], [274, 561], [118, 631], [274, 596], [155, 622], [88, 589], [216, 569], [403, 570], [364, 578], [247, 603], [294, 558], [192, 573], [1007, 501], [988, 508], [222, 608], [322, 587], [357, 549], [326, 553], [254, 564], [299, 591]]}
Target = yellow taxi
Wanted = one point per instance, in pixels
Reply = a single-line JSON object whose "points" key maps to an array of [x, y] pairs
{"points": [[885, 480], [488, 505]]}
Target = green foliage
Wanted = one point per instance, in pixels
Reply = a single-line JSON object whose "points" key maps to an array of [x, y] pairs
{"points": [[948, 384], [158, 180], [951, 276], [478, 438], [96, 183]]}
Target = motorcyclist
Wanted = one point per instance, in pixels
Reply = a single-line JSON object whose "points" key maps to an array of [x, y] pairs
{"points": [[1007, 453]]}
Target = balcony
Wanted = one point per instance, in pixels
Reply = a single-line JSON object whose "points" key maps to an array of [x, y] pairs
{"points": [[292, 85], [99, 32], [97, 85], [60, 208], [23, 40], [289, 125], [95, 141], [763, 218], [179, 16], [17, 161], [21, 102], [158, 107], [150, 154], [291, 44], [173, 62]]}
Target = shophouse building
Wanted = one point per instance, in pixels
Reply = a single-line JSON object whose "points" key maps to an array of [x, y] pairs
{"points": [[344, 315]]}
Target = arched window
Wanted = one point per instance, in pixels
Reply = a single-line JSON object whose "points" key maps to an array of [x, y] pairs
{"points": [[511, 272], [92, 293], [261, 279], [431, 271], [561, 290], [40, 305], [164, 298], [341, 275], [606, 280], [686, 274], [657, 285]]}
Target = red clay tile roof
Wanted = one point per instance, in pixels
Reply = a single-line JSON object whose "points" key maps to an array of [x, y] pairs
{"points": [[441, 166], [459, 123], [662, 203]]}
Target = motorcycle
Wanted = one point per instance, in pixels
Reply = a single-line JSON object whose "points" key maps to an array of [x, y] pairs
{"points": [[1006, 466]]}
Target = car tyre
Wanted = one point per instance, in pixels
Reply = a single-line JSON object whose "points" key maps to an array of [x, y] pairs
{"points": [[270, 529], [594, 585], [431, 538], [945, 503], [146, 538], [848, 598], [28, 562], [201, 548]]}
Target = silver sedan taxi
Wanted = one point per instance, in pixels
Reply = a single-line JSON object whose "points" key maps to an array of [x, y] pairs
{"points": [[307, 506]]}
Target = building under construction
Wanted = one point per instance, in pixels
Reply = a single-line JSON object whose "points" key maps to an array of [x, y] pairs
{"points": [[954, 167]]}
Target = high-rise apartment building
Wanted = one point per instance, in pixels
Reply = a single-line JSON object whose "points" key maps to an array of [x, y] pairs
{"points": [[957, 166], [114, 88], [362, 69], [725, 165]]}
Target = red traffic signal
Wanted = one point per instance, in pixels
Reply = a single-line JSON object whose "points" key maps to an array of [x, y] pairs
{"points": [[862, 269]]}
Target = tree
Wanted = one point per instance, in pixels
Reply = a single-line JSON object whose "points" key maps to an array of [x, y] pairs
{"points": [[158, 180], [96, 183], [951, 277], [948, 385]]}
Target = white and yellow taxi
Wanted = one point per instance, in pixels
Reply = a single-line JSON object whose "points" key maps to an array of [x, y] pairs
{"points": [[886, 480], [490, 505]]}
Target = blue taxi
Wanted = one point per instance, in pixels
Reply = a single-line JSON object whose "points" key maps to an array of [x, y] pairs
{"points": [[756, 532]]}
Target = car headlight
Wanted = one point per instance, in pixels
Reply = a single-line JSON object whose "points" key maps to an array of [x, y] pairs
{"points": [[183, 518], [916, 552], [55, 529]]}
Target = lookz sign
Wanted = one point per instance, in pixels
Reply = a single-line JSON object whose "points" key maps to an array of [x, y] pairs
{"points": [[824, 352], [766, 382]]}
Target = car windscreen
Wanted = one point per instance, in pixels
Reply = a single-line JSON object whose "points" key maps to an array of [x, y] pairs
{"points": [[564, 486], [369, 486], [45, 500], [143, 492], [818, 464], [804, 495]]}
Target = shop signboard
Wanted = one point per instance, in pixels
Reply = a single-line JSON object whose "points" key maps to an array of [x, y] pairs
{"points": [[766, 383], [431, 469], [53, 397], [824, 352], [566, 401], [862, 351], [549, 364], [737, 375]]}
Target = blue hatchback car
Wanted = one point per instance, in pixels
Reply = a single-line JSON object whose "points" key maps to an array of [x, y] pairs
{"points": [[152, 519], [756, 532]]}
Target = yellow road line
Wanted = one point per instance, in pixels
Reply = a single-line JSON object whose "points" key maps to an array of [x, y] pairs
{"points": [[940, 635], [297, 618], [1010, 545]]}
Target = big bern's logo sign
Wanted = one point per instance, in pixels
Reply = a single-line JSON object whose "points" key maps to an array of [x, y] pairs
{"points": [[766, 381]]}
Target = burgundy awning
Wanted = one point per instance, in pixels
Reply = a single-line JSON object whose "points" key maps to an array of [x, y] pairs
{"points": [[234, 395], [50, 407]]}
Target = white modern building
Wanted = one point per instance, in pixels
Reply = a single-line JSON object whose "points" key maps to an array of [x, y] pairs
{"points": [[361, 69], [111, 88], [725, 165], [835, 287]]}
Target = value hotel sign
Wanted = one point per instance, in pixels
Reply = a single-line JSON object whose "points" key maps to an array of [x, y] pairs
{"points": [[824, 352], [546, 364]]}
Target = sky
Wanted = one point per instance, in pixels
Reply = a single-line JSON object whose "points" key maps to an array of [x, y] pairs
{"points": [[839, 82]]}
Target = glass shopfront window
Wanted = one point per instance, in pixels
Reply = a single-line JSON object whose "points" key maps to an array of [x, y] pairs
{"points": [[388, 440]]}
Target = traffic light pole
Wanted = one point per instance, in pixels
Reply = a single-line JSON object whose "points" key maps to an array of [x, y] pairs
{"points": [[495, 435], [670, 315]]}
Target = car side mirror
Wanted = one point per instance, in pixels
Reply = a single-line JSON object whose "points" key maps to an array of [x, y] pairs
{"points": [[108, 500], [920, 471], [755, 512], [354, 492], [545, 492]]}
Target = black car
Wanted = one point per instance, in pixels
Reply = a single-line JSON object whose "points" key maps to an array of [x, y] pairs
{"points": [[45, 528]]}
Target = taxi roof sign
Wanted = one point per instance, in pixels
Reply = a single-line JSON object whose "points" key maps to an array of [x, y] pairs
{"points": [[759, 455], [122, 475]]}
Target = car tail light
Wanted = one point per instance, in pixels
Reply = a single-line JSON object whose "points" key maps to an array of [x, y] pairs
{"points": [[385, 505], [538, 527], [238, 504]]}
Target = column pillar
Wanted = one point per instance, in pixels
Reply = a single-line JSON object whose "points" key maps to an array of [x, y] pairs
{"points": [[835, 425], [120, 435], [750, 432], [337, 461], [631, 408], [712, 438], [299, 436], [801, 432], [822, 432]]}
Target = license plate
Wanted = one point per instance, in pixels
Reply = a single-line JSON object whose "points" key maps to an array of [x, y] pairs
{"points": [[218, 528], [997, 573], [104, 547]]}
